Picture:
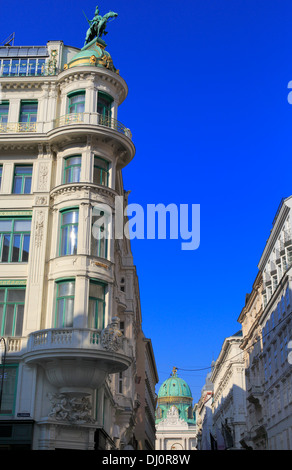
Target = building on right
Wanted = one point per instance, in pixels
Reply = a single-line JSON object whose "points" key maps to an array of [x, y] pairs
{"points": [[275, 389]]}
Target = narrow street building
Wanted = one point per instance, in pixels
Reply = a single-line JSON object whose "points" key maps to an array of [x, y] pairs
{"points": [[70, 311], [254, 435], [229, 405], [275, 390]]}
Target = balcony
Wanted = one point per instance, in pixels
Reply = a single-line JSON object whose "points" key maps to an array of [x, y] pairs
{"points": [[92, 118], [78, 360], [16, 127], [255, 394]]}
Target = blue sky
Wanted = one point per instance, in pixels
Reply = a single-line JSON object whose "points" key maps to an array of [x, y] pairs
{"points": [[211, 123]]}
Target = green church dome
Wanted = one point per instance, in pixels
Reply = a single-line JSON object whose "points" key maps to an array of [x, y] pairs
{"points": [[174, 389], [175, 392]]}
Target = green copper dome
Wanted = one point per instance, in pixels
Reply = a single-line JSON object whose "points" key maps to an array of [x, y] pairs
{"points": [[94, 55], [175, 392], [173, 388]]}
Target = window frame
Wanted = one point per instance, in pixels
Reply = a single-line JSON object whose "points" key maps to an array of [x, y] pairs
{"points": [[106, 112], [71, 105], [102, 171], [30, 113], [5, 303], [23, 176], [70, 168], [101, 243], [65, 298], [98, 322], [12, 233], [62, 226], [4, 104]]}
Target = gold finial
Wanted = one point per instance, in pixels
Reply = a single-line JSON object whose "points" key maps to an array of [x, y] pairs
{"points": [[174, 371]]}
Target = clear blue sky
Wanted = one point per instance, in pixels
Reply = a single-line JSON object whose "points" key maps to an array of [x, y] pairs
{"points": [[211, 123]]}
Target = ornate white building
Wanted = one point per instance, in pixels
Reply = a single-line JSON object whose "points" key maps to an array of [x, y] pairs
{"points": [[70, 314], [229, 402], [274, 394]]}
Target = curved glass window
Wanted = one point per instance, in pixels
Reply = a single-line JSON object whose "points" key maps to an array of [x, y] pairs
{"points": [[104, 107], [76, 102], [99, 233], [96, 305], [65, 304], [72, 169], [100, 171], [69, 232]]}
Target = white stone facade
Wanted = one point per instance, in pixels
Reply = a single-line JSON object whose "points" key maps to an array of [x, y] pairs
{"points": [[229, 405], [275, 396], [70, 367]]}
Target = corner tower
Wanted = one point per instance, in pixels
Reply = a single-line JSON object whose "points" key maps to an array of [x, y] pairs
{"points": [[69, 296]]}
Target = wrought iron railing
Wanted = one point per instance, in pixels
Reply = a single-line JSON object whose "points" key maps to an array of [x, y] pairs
{"points": [[93, 118], [72, 118], [11, 127], [114, 124]]}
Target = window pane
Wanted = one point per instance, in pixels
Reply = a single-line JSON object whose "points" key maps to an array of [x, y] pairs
{"points": [[25, 248], [1, 317], [96, 290], [100, 163], [69, 217], [91, 314], [19, 320], [5, 248], [69, 306], [64, 241], [66, 288], [17, 185], [27, 185], [15, 295], [22, 225], [76, 174], [100, 323], [5, 225], [73, 161], [72, 247], [15, 248], [9, 315], [59, 316], [67, 177], [2, 294]]}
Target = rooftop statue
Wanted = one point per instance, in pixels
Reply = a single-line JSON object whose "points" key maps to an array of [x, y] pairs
{"points": [[98, 24]]}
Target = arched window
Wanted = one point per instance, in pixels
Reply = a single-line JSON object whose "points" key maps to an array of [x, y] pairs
{"points": [[76, 102]]}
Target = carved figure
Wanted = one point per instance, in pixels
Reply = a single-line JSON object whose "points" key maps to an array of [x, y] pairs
{"points": [[111, 336]]}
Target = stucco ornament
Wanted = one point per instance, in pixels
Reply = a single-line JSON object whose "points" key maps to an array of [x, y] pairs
{"points": [[75, 410], [111, 336]]}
